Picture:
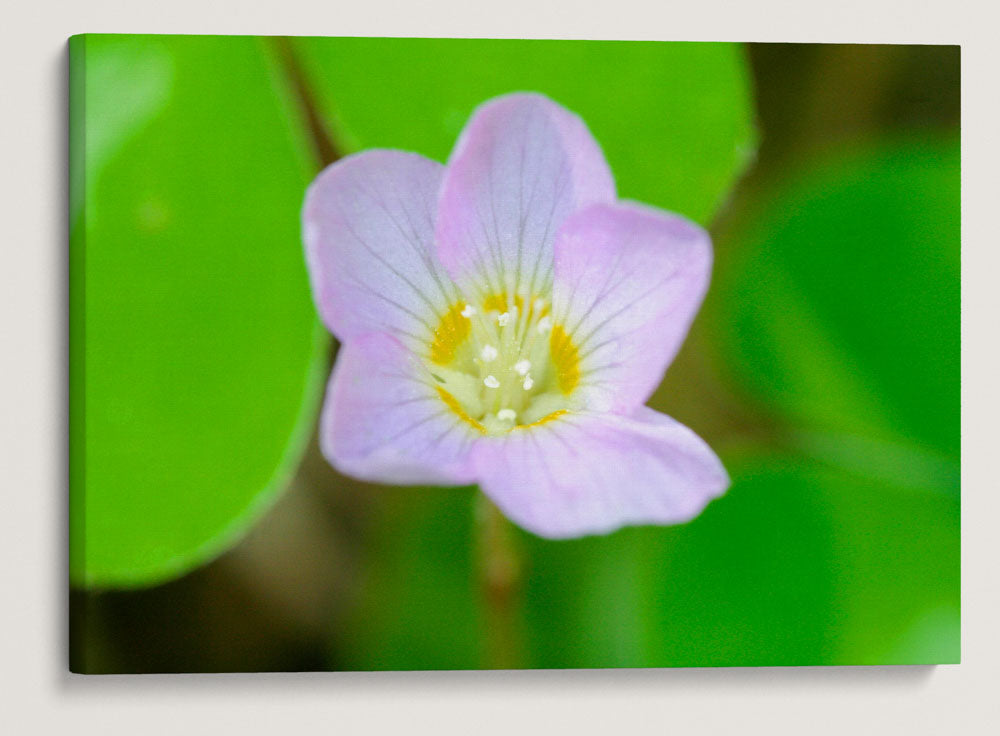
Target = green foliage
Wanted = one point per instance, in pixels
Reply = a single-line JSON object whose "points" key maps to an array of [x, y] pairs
{"points": [[798, 564], [197, 358], [127, 83], [843, 312], [675, 120], [747, 583], [418, 604], [839, 312]]}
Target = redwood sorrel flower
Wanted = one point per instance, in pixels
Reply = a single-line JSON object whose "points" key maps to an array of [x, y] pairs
{"points": [[503, 319]]}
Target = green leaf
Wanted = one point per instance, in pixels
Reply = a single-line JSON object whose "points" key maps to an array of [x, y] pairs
{"points": [[196, 356], [837, 308], [675, 119], [127, 83], [897, 572], [843, 311], [417, 604], [797, 564], [746, 583]]}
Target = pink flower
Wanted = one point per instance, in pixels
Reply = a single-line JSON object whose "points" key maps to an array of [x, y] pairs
{"points": [[503, 319]]}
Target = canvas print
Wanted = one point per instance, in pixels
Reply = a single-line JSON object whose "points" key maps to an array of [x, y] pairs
{"points": [[416, 354]]}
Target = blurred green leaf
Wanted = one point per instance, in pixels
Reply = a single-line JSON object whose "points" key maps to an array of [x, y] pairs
{"points": [[198, 361], [127, 83], [838, 310], [675, 120], [843, 311], [797, 564], [418, 596], [896, 553], [932, 638], [749, 582]]}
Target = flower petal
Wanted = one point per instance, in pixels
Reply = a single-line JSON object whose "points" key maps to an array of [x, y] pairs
{"points": [[521, 166], [368, 226], [592, 473], [384, 421], [628, 282]]}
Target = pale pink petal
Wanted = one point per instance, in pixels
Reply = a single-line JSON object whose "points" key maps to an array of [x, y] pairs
{"points": [[522, 165], [628, 282], [384, 421], [591, 473], [368, 226]]}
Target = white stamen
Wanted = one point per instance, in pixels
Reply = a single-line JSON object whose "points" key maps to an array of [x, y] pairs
{"points": [[506, 415], [503, 319], [544, 324], [488, 353], [468, 311], [491, 381], [522, 367], [528, 383], [539, 303]]}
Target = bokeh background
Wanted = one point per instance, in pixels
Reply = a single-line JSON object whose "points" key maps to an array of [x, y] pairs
{"points": [[207, 533]]}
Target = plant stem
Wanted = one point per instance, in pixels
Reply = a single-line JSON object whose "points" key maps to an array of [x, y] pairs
{"points": [[500, 580], [324, 146]]}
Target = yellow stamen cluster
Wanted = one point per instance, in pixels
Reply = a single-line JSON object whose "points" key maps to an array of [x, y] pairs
{"points": [[503, 364]]}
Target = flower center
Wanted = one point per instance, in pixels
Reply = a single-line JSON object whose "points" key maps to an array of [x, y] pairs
{"points": [[504, 363]]}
